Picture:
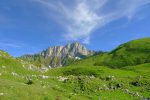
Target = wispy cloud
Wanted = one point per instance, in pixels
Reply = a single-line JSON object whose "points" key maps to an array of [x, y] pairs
{"points": [[11, 45], [85, 16]]}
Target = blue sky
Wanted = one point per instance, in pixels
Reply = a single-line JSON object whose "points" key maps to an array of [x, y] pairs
{"points": [[29, 26]]}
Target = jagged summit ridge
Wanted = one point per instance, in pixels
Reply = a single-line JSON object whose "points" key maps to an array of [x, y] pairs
{"points": [[60, 55], [73, 50]]}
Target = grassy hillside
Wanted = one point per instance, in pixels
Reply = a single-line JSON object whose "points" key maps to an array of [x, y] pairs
{"points": [[10, 66], [86, 83], [132, 53], [93, 78], [100, 80]]}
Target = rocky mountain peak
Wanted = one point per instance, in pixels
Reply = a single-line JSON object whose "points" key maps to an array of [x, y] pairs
{"points": [[73, 49], [59, 55]]}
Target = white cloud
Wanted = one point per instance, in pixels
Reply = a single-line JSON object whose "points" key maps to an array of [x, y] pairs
{"points": [[12, 45], [85, 16]]}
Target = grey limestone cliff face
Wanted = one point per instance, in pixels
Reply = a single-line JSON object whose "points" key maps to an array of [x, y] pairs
{"points": [[57, 56], [72, 50]]}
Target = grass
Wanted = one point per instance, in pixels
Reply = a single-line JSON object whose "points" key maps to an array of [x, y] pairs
{"points": [[87, 79], [86, 84], [129, 54]]}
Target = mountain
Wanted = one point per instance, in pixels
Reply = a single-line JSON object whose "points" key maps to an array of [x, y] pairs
{"points": [[129, 54], [85, 79], [58, 56]]}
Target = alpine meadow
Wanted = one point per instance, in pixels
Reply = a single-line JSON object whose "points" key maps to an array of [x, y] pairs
{"points": [[74, 50]]}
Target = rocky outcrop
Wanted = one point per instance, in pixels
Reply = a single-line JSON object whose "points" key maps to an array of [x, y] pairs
{"points": [[71, 50], [58, 56]]}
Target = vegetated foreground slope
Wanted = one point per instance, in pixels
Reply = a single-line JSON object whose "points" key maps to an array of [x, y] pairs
{"points": [[83, 80], [86, 83], [10, 66], [13, 64]]}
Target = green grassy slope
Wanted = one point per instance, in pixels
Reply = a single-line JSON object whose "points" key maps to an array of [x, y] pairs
{"points": [[10, 66], [98, 81], [143, 69], [132, 53], [89, 79], [86, 83]]}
